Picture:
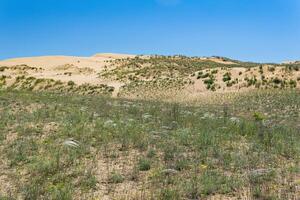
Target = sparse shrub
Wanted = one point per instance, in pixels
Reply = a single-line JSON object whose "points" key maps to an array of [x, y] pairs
{"points": [[199, 75], [60, 191], [71, 83], [251, 81], [144, 164], [226, 77], [38, 81], [151, 153], [116, 178], [89, 181], [204, 75], [68, 73], [276, 80], [170, 150], [293, 83], [229, 84], [215, 71], [261, 71], [181, 164], [258, 116], [58, 82], [2, 80], [19, 78], [3, 77], [271, 68], [31, 191], [110, 89], [296, 67], [169, 194], [209, 81], [2, 68]]}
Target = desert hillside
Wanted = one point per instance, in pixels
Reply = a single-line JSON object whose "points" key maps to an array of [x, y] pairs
{"points": [[134, 76]]}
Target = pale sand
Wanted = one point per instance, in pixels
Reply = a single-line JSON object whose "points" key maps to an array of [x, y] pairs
{"points": [[49, 62]]}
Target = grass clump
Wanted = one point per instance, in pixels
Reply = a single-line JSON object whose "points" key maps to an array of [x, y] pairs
{"points": [[116, 178], [144, 164]]}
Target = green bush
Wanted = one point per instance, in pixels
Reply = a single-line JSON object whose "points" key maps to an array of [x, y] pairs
{"points": [[71, 83], [226, 77]]}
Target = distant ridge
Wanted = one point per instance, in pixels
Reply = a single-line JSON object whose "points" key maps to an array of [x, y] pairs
{"points": [[114, 55], [291, 62]]}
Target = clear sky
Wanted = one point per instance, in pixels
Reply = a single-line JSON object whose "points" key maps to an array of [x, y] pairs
{"points": [[250, 30]]}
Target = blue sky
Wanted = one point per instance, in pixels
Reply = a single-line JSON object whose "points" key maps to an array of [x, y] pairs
{"points": [[250, 30]]}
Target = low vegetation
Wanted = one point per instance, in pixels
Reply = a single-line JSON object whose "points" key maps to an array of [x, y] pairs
{"points": [[67, 146], [41, 84]]}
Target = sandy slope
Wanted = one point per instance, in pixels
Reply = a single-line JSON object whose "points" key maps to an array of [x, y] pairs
{"points": [[67, 68], [85, 70], [48, 62]]}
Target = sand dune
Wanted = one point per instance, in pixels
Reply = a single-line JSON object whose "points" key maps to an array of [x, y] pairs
{"points": [[96, 62], [80, 70], [100, 69], [48, 62]]}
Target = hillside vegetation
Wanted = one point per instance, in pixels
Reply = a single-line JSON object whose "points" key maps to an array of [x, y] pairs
{"points": [[149, 77], [199, 74]]}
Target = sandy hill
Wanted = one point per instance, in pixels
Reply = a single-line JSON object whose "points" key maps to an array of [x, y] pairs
{"points": [[145, 76], [95, 61]]}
